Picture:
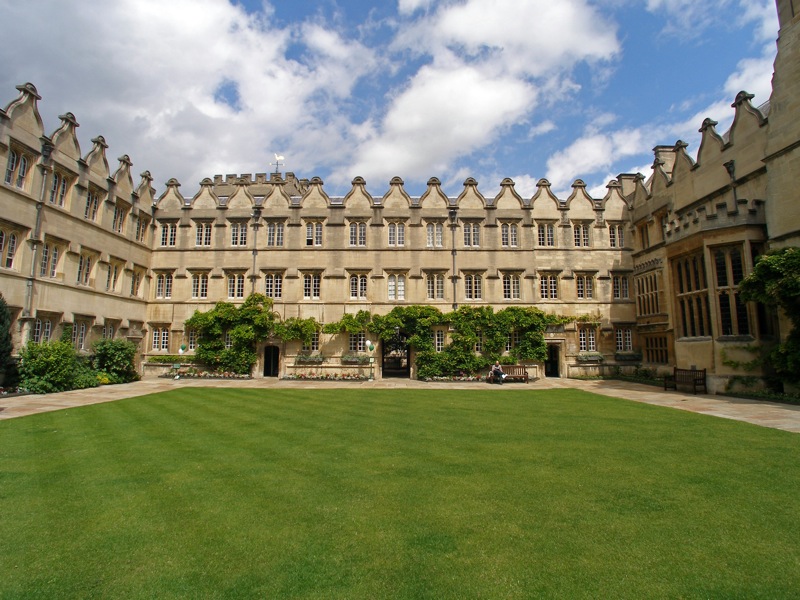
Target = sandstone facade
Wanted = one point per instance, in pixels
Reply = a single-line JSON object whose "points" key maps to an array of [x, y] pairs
{"points": [[650, 270]]}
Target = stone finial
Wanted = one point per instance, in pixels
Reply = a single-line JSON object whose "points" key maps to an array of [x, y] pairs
{"points": [[708, 123], [69, 119], [358, 180], [28, 89], [741, 98]]}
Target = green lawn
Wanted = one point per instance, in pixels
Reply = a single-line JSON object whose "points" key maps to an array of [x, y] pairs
{"points": [[211, 493]]}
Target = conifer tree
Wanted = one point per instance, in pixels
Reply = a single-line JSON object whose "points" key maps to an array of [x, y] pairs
{"points": [[6, 347]]}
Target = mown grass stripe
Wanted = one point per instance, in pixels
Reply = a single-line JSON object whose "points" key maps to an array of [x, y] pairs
{"points": [[296, 493]]}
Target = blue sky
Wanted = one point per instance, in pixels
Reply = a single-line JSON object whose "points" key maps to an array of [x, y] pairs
{"points": [[488, 89]]}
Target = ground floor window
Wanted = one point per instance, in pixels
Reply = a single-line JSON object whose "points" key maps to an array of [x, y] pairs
{"points": [[624, 339], [655, 349], [587, 338]]}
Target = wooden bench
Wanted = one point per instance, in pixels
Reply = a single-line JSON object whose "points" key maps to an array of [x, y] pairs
{"points": [[694, 377], [513, 373]]}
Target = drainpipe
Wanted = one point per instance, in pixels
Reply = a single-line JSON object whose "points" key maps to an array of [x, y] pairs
{"points": [[453, 214], [44, 165], [256, 224], [730, 167]]}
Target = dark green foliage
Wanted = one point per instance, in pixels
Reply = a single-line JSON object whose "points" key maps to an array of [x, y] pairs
{"points": [[66, 333], [468, 325], [254, 321], [297, 329], [167, 359], [116, 359], [775, 281], [247, 325], [350, 323], [6, 345], [415, 322], [53, 367]]}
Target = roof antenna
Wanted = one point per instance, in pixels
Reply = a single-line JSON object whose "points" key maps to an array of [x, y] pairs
{"points": [[277, 163]]}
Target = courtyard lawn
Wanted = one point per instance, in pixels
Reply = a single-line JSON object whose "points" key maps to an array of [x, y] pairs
{"points": [[346, 493]]}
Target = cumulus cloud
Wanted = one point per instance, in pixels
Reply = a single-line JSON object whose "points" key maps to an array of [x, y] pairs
{"points": [[452, 88], [594, 152], [406, 7], [688, 18], [522, 38], [430, 124]]}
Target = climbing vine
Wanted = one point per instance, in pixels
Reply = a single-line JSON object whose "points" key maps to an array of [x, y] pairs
{"points": [[227, 334], [775, 281], [350, 323]]}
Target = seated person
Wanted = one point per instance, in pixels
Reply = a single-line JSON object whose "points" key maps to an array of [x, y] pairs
{"points": [[497, 372]]}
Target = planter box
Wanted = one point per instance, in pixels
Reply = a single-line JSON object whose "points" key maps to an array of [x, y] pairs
{"points": [[354, 359], [589, 357], [309, 359]]}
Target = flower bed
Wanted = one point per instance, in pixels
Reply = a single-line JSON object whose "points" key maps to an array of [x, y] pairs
{"points": [[191, 373], [325, 377], [455, 378], [13, 391]]}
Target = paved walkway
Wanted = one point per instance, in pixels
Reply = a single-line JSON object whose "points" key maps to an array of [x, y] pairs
{"points": [[766, 414]]}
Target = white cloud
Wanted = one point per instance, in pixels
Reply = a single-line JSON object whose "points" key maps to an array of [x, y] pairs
{"points": [[406, 7], [688, 18], [447, 111], [594, 152], [541, 129], [528, 38], [147, 75], [525, 185]]}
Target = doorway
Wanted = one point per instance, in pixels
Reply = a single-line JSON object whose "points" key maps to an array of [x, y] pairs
{"points": [[395, 356], [272, 355], [551, 365]]}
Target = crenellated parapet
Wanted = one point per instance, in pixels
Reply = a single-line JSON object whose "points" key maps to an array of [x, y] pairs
{"points": [[728, 169]]}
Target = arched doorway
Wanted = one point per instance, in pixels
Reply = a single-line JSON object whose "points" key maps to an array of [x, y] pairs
{"points": [[395, 356], [272, 355], [551, 365]]}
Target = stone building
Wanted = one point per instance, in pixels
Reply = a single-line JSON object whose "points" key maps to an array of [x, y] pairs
{"points": [[650, 271]]}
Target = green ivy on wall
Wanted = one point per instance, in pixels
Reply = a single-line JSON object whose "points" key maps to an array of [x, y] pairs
{"points": [[254, 321]]}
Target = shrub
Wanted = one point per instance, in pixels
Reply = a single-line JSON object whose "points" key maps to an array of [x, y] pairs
{"points": [[116, 359], [49, 367]]}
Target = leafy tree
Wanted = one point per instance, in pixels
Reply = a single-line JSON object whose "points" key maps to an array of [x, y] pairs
{"points": [[775, 281]]}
